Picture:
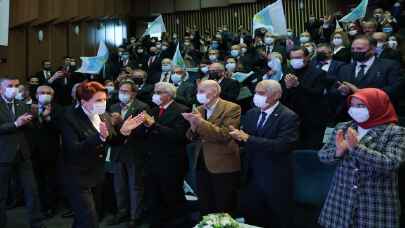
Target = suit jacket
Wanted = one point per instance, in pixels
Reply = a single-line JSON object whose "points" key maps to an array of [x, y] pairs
{"points": [[221, 152], [229, 89], [383, 74], [145, 94], [46, 136], [167, 141], [343, 55], [308, 99], [13, 139], [43, 80], [364, 189], [268, 151], [389, 53], [186, 93], [135, 148], [83, 157]]}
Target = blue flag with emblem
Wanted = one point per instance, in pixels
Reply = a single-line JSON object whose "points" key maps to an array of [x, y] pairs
{"points": [[271, 18], [357, 13], [94, 64], [157, 26], [178, 59]]}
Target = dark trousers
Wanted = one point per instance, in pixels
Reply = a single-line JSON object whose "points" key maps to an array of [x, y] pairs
{"points": [[217, 193], [82, 203], [263, 207], [104, 197], [164, 197], [46, 174], [128, 186], [23, 169]]}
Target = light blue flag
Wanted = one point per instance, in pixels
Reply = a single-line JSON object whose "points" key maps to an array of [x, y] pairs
{"points": [[271, 18], [157, 26], [178, 59], [357, 13], [93, 65]]}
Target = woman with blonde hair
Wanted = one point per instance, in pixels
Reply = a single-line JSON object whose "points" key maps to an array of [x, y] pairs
{"points": [[341, 46]]}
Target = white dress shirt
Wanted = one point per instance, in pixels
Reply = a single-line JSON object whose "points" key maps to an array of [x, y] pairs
{"points": [[210, 110], [268, 111], [94, 119]]}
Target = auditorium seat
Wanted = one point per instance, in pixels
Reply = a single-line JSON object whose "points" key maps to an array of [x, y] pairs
{"points": [[312, 181]]}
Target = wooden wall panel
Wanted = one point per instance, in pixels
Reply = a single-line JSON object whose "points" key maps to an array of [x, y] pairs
{"points": [[17, 53], [213, 3], [140, 8], [242, 14], [59, 43], [23, 11], [186, 5], [240, 1], [38, 50], [161, 6]]}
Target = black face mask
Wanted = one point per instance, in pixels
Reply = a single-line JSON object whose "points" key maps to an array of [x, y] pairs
{"points": [[321, 57], [360, 56], [214, 75], [138, 81]]}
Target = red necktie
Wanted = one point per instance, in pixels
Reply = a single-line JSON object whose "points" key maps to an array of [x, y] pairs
{"points": [[161, 112]]}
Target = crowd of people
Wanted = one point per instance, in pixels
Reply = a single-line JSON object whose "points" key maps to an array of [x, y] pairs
{"points": [[227, 122]]}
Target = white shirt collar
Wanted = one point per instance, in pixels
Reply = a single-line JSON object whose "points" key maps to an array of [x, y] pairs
{"points": [[212, 107], [271, 109], [167, 105], [94, 119], [7, 101]]}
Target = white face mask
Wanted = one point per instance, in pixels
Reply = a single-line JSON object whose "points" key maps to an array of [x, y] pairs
{"points": [[337, 41], [304, 39], [268, 40], [204, 69], [99, 108], [297, 63], [176, 78], [44, 99], [353, 32], [166, 67], [234, 53], [124, 98], [360, 115], [156, 99], [212, 58], [230, 67], [10, 93], [19, 96], [202, 98], [393, 44], [260, 101]]}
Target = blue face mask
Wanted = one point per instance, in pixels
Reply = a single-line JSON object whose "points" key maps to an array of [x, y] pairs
{"points": [[387, 30], [214, 45], [176, 78]]}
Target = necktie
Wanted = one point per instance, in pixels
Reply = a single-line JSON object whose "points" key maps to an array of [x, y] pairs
{"points": [[262, 120], [161, 112], [362, 72], [165, 77], [11, 110]]}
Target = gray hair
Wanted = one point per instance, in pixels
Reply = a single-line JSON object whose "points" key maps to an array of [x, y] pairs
{"points": [[211, 84], [45, 86], [166, 87], [272, 86]]}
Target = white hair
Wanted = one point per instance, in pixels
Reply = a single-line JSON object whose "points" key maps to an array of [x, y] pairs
{"points": [[166, 87], [211, 84], [272, 86]]}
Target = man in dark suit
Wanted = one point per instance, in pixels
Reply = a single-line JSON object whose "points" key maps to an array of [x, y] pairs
{"points": [[164, 133], [46, 73], [46, 149], [162, 75], [304, 92], [367, 71], [145, 90], [382, 49], [325, 62], [154, 63], [269, 135], [15, 119], [229, 87], [186, 87], [128, 175]]}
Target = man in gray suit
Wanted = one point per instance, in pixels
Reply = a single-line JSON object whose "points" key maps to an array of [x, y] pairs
{"points": [[15, 119]]}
